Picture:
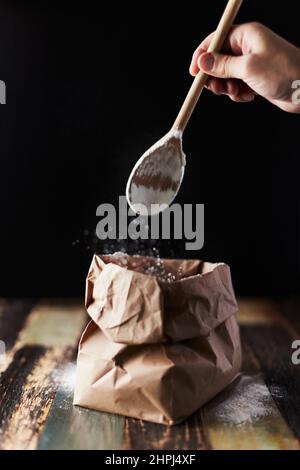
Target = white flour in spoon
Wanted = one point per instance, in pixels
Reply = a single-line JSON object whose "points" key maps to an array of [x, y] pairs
{"points": [[157, 176]]}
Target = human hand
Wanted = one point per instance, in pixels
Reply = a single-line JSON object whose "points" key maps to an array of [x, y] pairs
{"points": [[254, 60]]}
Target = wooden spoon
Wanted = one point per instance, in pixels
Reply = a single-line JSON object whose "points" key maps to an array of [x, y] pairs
{"points": [[157, 176]]}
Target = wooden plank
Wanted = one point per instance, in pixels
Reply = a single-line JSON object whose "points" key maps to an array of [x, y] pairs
{"points": [[272, 348], [75, 428], [55, 323], [254, 312], [140, 435], [290, 312], [245, 417], [27, 388], [258, 311], [34, 370], [13, 315]]}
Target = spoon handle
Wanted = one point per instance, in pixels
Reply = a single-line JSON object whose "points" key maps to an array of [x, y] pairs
{"points": [[216, 44]]}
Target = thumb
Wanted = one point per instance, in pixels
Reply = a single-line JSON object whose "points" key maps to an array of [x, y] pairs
{"points": [[222, 66]]}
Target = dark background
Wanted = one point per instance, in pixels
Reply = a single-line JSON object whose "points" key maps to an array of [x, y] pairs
{"points": [[88, 90]]}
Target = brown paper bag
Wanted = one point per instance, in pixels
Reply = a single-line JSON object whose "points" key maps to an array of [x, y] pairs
{"points": [[162, 339]]}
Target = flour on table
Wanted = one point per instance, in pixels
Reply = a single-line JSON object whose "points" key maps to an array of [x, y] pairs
{"points": [[247, 402]]}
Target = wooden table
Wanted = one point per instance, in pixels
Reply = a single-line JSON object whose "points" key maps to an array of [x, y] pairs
{"points": [[259, 411]]}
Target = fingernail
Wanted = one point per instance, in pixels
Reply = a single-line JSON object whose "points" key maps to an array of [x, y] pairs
{"points": [[206, 62], [247, 96]]}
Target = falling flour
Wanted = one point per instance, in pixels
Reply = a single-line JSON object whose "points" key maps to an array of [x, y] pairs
{"points": [[247, 401], [154, 267]]}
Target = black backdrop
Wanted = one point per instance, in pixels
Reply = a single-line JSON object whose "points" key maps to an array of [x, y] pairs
{"points": [[88, 90]]}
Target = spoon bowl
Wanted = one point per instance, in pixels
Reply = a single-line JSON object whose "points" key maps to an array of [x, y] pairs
{"points": [[156, 177]]}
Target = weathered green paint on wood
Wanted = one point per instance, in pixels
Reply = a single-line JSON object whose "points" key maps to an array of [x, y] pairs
{"points": [[72, 427], [54, 324]]}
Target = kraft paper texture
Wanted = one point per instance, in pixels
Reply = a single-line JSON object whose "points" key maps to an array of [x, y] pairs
{"points": [[162, 340]]}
